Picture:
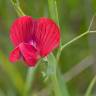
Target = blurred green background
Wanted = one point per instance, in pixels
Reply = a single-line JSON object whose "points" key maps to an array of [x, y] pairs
{"points": [[74, 17]]}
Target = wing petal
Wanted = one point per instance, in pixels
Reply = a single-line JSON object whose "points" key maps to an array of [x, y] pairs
{"points": [[29, 53]]}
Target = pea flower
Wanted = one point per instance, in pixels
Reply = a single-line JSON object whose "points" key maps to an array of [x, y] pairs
{"points": [[33, 39]]}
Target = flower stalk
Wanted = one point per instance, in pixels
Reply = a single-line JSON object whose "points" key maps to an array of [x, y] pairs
{"points": [[90, 87], [16, 5], [72, 41]]}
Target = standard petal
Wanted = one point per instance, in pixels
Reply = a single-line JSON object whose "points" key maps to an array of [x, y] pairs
{"points": [[29, 53], [47, 36], [22, 30], [15, 55]]}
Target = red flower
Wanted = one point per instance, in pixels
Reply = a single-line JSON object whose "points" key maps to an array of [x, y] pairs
{"points": [[33, 39]]}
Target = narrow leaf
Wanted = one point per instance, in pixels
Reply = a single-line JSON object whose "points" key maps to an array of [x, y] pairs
{"points": [[53, 10], [58, 85]]}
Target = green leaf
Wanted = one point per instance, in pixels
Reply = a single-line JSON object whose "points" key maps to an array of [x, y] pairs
{"points": [[58, 85]]}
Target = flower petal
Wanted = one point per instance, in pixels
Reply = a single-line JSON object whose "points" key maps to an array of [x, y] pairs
{"points": [[47, 35], [15, 55], [29, 53], [22, 30]]}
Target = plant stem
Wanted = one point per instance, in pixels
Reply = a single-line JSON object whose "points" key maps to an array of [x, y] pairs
{"points": [[29, 81], [76, 38], [17, 7], [90, 87], [56, 86], [53, 10], [72, 41]]}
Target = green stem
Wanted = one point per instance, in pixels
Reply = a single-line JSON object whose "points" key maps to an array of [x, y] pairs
{"points": [[17, 7], [90, 87], [29, 81], [76, 38], [72, 41], [52, 69], [53, 10], [56, 86], [54, 13]]}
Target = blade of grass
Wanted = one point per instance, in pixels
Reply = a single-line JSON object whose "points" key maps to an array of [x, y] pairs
{"points": [[12, 72], [53, 10], [54, 13], [76, 38], [29, 81], [90, 87], [58, 86]]}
